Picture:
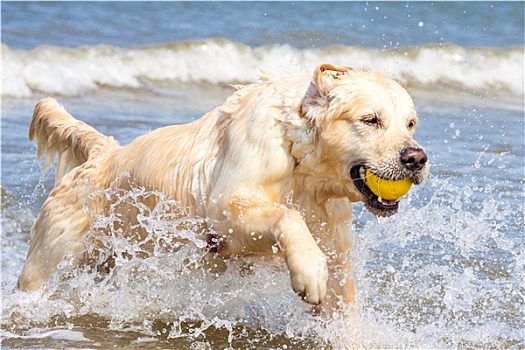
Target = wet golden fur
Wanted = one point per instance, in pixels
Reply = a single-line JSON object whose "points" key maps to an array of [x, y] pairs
{"points": [[273, 160]]}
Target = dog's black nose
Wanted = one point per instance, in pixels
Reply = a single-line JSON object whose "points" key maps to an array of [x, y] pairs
{"points": [[413, 158]]}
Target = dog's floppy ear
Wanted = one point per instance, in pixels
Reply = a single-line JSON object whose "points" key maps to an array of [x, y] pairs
{"points": [[320, 87], [325, 75]]}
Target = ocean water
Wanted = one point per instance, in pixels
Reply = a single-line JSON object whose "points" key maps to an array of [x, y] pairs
{"points": [[445, 272]]}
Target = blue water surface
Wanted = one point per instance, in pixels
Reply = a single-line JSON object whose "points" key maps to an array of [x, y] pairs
{"points": [[26, 25]]}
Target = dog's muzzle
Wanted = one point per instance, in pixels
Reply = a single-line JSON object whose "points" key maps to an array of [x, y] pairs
{"points": [[412, 163]]}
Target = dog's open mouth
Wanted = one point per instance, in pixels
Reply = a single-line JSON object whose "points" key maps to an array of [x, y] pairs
{"points": [[375, 204]]}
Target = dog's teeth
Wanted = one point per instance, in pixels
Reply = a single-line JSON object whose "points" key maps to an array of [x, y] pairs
{"points": [[380, 199], [362, 173]]}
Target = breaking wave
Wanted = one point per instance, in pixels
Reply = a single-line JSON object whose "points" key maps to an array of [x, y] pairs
{"points": [[164, 67]]}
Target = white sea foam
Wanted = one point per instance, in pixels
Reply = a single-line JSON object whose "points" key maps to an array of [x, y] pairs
{"points": [[79, 71]]}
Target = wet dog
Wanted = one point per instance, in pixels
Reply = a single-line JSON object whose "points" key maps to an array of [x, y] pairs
{"points": [[276, 167]]}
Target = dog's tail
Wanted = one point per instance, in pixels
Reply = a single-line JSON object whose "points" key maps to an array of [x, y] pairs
{"points": [[59, 134]]}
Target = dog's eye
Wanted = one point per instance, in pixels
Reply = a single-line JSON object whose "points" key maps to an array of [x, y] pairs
{"points": [[411, 124], [372, 120]]}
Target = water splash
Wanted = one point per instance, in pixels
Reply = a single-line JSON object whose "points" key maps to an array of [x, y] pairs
{"points": [[444, 272], [449, 270]]}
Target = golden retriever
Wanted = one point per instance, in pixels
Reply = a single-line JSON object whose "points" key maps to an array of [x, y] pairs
{"points": [[277, 166]]}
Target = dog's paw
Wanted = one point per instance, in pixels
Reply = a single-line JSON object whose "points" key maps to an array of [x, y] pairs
{"points": [[309, 275]]}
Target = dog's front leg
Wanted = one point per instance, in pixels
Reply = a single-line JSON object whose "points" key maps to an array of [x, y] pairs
{"points": [[332, 226], [306, 262], [256, 226]]}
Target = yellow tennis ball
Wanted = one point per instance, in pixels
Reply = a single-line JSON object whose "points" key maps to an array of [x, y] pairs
{"points": [[387, 189]]}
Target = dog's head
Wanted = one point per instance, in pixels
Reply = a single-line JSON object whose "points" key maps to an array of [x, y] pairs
{"points": [[361, 120]]}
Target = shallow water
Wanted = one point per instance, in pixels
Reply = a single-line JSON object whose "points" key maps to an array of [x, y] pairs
{"points": [[445, 272]]}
